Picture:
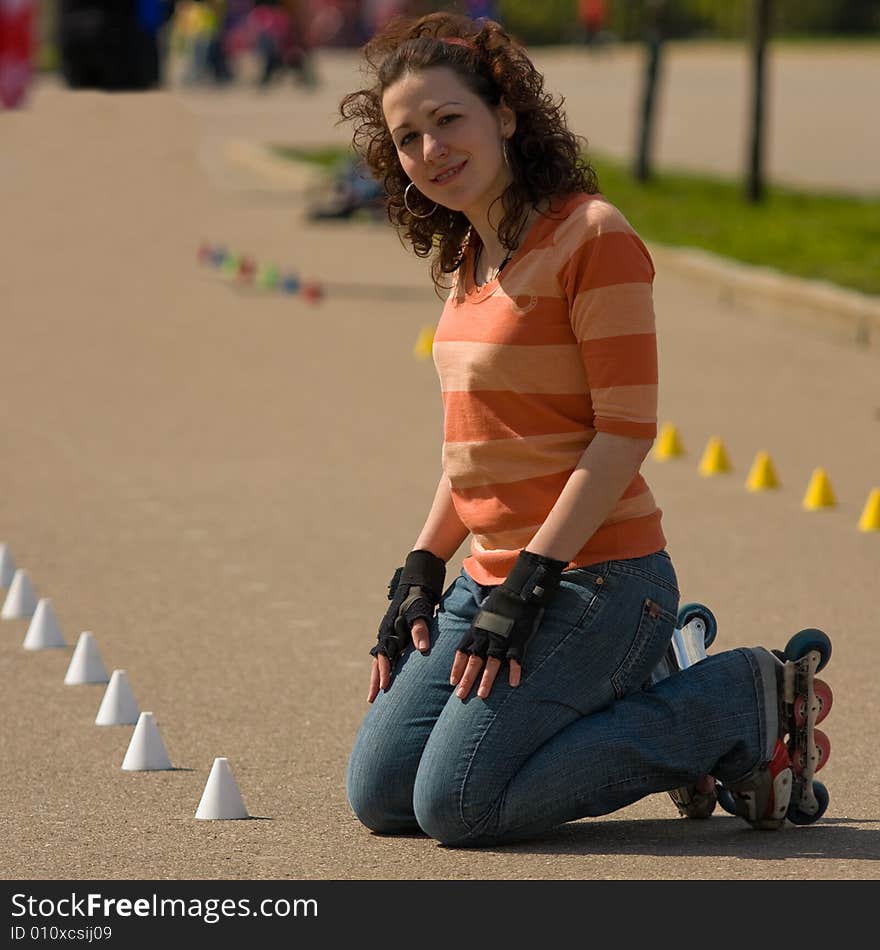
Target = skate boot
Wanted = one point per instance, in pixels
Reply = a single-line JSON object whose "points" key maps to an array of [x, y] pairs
{"points": [[785, 787], [695, 631], [697, 800]]}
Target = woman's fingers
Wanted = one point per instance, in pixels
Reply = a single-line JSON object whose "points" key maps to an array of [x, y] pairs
{"points": [[421, 635], [380, 676], [469, 677], [384, 670], [374, 681], [466, 670], [458, 665], [493, 665]]}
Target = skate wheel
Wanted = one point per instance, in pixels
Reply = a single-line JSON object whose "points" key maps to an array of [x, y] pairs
{"points": [[798, 817], [823, 749], [726, 800], [824, 699], [810, 639], [689, 612]]}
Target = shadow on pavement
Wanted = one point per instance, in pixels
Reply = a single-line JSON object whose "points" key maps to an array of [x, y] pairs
{"points": [[721, 836]]}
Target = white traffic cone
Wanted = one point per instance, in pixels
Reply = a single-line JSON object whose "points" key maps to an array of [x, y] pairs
{"points": [[21, 602], [43, 632], [7, 566], [221, 798], [146, 751], [118, 707], [86, 665]]}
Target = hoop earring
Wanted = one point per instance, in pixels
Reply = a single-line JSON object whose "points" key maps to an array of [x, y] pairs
{"points": [[410, 210], [505, 151]]}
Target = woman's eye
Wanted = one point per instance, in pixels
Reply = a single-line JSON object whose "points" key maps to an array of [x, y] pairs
{"points": [[405, 140], [449, 117]]}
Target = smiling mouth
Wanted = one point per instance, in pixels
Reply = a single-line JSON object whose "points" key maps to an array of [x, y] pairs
{"points": [[449, 174]]}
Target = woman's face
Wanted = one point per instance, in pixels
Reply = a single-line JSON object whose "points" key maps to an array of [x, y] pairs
{"points": [[448, 140]]}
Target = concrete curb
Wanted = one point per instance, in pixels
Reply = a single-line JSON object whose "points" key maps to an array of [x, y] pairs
{"points": [[280, 173], [842, 314]]}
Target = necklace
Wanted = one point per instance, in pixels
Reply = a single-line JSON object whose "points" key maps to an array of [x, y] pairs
{"points": [[506, 261], [498, 269]]}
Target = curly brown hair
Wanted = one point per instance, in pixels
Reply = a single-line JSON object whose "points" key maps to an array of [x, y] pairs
{"points": [[545, 157]]}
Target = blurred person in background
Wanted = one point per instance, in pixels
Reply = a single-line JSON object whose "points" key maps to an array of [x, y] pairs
{"points": [[375, 14], [521, 695], [277, 32], [196, 24], [338, 23], [591, 19], [17, 50], [111, 46]]}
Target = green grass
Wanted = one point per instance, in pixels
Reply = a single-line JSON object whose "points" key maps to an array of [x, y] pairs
{"points": [[820, 236], [809, 234], [326, 158]]}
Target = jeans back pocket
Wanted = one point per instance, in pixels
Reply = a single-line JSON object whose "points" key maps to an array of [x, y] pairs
{"points": [[655, 629]]}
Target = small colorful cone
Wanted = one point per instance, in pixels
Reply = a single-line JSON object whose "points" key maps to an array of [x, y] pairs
{"points": [[870, 519], [21, 602], [290, 284], [424, 344], [312, 292], [819, 493], [218, 257], [146, 750], [714, 460], [7, 566], [118, 707], [669, 444], [221, 798], [247, 268], [206, 254], [43, 632], [229, 267], [86, 665], [267, 278], [762, 475]]}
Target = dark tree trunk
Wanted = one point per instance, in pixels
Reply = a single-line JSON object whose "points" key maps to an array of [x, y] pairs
{"points": [[653, 47], [760, 33]]}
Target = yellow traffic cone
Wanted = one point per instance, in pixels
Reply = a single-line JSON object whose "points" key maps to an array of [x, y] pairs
{"points": [[668, 443], [762, 475], [424, 344], [714, 460], [819, 493], [870, 520]]}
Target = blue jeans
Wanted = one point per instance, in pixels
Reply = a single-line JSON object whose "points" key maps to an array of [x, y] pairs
{"points": [[582, 735]]}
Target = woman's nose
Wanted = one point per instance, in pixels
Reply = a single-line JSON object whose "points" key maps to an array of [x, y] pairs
{"points": [[433, 148]]}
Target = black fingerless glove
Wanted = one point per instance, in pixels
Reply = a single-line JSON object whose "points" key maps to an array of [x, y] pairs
{"points": [[414, 592], [511, 613]]}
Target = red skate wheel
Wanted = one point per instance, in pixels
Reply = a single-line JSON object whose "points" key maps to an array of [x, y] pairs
{"points": [[823, 749], [824, 699]]}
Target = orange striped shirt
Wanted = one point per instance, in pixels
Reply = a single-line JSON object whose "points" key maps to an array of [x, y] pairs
{"points": [[532, 364]]}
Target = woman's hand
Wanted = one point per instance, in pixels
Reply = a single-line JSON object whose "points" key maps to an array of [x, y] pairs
{"points": [[380, 675], [507, 620], [466, 669], [414, 592]]}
